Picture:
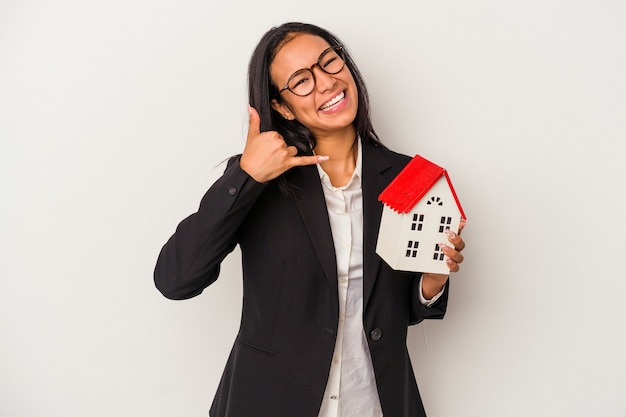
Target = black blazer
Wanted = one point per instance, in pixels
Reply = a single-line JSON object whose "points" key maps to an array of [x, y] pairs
{"points": [[281, 358]]}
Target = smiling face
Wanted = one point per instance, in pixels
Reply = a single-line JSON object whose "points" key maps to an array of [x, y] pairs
{"points": [[331, 107]]}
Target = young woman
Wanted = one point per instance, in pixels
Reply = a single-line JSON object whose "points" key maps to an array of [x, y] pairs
{"points": [[324, 321]]}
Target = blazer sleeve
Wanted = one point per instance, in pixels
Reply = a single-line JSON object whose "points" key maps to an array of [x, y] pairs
{"points": [[435, 311], [190, 260]]}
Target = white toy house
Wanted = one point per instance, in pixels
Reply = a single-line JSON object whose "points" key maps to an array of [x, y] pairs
{"points": [[420, 204]]}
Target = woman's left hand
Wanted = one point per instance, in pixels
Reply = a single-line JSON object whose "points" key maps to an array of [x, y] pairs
{"points": [[433, 283]]}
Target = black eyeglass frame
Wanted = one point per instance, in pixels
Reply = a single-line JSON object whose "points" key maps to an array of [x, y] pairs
{"points": [[342, 56]]}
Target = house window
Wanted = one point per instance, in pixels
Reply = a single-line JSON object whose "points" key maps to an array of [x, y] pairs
{"points": [[438, 255], [411, 250], [445, 223], [435, 200], [418, 222]]}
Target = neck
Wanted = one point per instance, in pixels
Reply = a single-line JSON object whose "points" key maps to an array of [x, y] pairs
{"points": [[342, 152], [338, 146]]}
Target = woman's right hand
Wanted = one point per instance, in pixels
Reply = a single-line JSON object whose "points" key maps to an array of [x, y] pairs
{"points": [[266, 155]]}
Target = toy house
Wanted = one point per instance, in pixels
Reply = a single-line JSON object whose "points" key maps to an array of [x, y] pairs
{"points": [[420, 204]]}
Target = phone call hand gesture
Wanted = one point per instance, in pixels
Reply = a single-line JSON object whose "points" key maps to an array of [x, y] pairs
{"points": [[266, 155]]}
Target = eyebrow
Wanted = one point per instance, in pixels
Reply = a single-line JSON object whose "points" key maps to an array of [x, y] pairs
{"points": [[310, 67]]}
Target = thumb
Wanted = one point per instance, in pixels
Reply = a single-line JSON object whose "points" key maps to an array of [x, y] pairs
{"points": [[254, 127]]}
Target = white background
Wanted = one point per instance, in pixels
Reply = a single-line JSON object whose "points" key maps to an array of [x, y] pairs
{"points": [[116, 115]]}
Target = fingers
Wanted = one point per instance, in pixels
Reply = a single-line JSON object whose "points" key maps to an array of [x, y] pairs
{"points": [[462, 225], [453, 258], [453, 254], [298, 161], [266, 155], [456, 240]]}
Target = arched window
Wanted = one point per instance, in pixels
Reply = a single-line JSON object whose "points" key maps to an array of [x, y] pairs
{"points": [[435, 200]]}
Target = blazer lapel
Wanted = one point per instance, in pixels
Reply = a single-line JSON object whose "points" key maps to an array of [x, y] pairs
{"points": [[312, 206], [375, 165]]}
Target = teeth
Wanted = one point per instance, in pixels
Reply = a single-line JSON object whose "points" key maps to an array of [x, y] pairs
{"points": [[332, 102]]}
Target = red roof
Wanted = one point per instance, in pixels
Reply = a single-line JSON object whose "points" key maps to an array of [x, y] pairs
{"points": [[412, 183]]}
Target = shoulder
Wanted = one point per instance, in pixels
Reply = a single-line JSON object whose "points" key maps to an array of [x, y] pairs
{"points": [[396, 157], [379, 155]]}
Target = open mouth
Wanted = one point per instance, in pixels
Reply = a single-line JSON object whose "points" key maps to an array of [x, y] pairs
{"points": [[334, 101]]}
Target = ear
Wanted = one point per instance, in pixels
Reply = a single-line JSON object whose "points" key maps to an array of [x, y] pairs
{"points": [[282, 109]]}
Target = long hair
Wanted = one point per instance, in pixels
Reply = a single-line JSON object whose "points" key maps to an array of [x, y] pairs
{"points": [[261, 91]]}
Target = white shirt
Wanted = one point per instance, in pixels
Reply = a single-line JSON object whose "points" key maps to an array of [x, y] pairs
{"points": [[351, 388]]}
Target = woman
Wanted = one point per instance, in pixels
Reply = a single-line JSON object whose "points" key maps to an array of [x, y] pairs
{"points": [[324, 321]]}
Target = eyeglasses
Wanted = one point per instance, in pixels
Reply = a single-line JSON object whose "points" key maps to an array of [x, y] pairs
{"points": [[302, 82]]}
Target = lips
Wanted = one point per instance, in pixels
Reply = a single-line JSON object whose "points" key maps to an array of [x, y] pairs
{"points": [[334, 101]]}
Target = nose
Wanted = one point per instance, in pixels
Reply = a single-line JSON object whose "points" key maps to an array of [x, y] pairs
{"points": [[323, 80]]}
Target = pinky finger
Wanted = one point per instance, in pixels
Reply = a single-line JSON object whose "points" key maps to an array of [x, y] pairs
{"points": [[453, 266], [307, 160]]}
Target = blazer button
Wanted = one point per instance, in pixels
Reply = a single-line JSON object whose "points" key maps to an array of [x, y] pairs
{"points": [[232, 190], [376, 334]]}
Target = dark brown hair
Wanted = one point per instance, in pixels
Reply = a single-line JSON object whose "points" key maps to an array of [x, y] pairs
{"points": [[261, 89]]}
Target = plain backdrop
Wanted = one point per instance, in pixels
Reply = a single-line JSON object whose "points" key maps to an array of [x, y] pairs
{"points": [[116, 116]]}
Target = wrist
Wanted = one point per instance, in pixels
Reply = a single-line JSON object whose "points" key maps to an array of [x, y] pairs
{"points": [[432, 284]]}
